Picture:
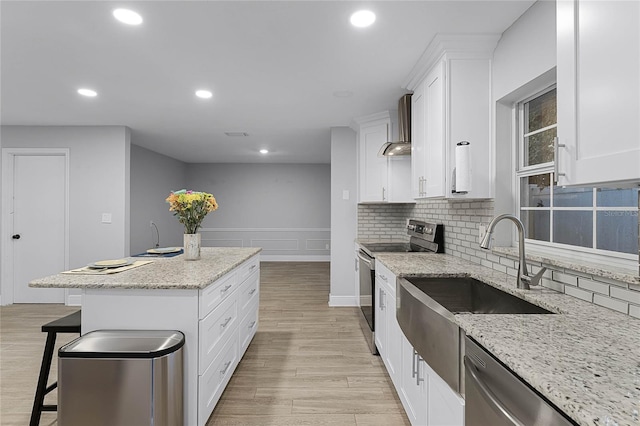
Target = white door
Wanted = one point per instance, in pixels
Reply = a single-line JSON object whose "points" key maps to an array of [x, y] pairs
{"points": [[39, 203]]}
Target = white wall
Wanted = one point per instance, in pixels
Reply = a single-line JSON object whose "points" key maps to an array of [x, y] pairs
{"points": [[99, 183], [524, 61], [153, 177], [343, 216], [283, 208]]}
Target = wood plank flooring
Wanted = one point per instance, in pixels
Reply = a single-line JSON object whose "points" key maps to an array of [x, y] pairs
{"points": [[307, 365]]}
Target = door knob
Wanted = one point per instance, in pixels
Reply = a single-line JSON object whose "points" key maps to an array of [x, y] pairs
{"points": [[16, 236]]}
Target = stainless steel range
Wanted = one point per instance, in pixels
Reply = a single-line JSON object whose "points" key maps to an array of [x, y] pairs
{"points": [[425, 237]]}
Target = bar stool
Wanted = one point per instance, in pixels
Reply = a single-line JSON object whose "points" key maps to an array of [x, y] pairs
{"points": [[68, 324]]}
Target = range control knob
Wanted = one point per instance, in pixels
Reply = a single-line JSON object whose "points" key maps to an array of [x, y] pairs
{"points": [[16, 236]]}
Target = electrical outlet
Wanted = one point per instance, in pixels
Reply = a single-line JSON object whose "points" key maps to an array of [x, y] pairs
{"points": [[482, 230], [326, 246]]}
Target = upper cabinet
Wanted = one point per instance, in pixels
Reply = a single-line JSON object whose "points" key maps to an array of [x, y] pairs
{"points": [[452, 104], [598, 90], [381, 179]]}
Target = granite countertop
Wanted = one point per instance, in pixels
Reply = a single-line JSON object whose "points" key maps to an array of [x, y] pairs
{"points": [[163, 273], [585, 359]]}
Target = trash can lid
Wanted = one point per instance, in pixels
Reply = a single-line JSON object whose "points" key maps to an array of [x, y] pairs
{"points": [[123, 344]]}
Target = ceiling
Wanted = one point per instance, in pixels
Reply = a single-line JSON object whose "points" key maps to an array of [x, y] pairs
{"points": [[273, 67]]}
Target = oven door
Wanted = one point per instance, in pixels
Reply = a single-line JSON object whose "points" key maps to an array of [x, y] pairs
{"points": [[367, 297]]}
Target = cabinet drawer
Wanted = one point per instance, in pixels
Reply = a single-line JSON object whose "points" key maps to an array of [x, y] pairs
{"points": [[386, 278], [248, 327], [211, 296], [248, 268], [216, 328], [215, 378], [249, 293]]}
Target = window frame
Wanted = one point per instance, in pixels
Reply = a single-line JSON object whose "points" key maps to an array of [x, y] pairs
{"points": [[520, 170]]}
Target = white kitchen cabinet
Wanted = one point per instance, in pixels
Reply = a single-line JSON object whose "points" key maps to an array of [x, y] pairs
{"points": [[452, 83], [413, 390], [387, 330], [381, 179], [598, 86], [445, 407]]}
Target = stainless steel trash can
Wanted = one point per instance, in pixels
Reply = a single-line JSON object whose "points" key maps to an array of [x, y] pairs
{"points": [[121, 378]]}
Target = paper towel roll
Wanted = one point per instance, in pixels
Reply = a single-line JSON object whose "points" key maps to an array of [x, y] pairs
{"points": [[463, 167]]}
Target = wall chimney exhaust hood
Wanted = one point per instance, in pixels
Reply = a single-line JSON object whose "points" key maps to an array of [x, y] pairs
{"points": [[403, 145]]}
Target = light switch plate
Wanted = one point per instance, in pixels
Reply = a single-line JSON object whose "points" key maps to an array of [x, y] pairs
{"points": [[106, 217], [345, 194]]}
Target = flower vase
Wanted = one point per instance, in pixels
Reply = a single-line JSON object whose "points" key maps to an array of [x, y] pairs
{"points": [[192, 246]]}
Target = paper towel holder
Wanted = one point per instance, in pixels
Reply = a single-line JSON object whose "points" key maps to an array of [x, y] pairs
{"points": [[453, 177]]}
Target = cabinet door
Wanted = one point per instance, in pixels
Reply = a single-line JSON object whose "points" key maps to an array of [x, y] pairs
{"points": [[446, 408], [435, 163], [417, 142], [598, 92], [373, 168], [380, 319], [392, 358], [413, 390]]}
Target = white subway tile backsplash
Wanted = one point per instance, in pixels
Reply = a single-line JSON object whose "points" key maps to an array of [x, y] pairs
{"points": [[593, 286], [565, 278], [614, 304], [461, 219], [626, 295], [580, 294]]}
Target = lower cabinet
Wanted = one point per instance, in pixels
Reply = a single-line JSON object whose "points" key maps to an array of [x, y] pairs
{"points": [[229, 322], [427, 399]]}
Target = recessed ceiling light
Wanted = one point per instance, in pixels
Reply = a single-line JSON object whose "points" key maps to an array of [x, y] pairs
{"points": [[204, 94], [362, 18], [127, 16], [264, 151], [88, 92]]}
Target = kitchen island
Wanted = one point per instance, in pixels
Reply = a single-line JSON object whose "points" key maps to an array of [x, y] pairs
{"points": [[213, 301], [585, 359]]}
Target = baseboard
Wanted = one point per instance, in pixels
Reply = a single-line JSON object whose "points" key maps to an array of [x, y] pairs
{"points": [[335, 301], [74, 300], [293, 258]]}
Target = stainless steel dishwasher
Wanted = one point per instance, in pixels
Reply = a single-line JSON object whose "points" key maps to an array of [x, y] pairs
{"points": [[496, 396]]}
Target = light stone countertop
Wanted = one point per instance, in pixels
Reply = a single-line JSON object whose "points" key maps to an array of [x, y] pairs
{"points": [[164, 273], [586, 359]]}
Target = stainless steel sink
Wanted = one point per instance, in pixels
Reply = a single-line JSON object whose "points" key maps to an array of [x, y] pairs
{"points": [[464, 294], [425, 309]]}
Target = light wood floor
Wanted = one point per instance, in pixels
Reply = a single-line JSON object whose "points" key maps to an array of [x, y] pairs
{"points": [[307, 365]]}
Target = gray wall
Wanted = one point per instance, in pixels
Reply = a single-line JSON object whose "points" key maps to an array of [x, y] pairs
{"points": [[98, 183], [153, 176], [343, 216], [283, 208]]}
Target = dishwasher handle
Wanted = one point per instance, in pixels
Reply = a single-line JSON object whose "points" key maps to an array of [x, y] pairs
{"points": [[488, 394]]}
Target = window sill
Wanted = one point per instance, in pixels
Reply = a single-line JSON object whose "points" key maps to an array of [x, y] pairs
{"points": [[624, 275]]}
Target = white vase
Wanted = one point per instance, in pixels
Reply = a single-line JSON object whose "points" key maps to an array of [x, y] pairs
{"points": [[191, 246]]}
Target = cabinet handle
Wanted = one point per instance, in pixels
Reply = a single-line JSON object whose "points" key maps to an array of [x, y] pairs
{"points": [[413, 364], [384, 278], [226, 322], [418, 378], [252, 267], [383, 195], [556, 147], [252, 291], [251, 325], [226, 288], [225, 368], [381, 297]]}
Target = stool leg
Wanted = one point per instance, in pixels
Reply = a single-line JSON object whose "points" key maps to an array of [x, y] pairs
{"points": [[38, 401]]}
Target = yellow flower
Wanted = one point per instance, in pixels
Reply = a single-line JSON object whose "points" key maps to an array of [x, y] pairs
{"points": [[191, 207]]}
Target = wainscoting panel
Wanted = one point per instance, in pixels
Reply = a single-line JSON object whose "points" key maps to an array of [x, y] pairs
{"points": [[304, 244]]}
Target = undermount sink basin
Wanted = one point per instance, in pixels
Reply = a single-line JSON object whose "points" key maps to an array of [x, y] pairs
{"points": [[468, 295]]}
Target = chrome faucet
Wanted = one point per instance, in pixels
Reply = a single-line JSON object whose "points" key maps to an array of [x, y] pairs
{"points": [[524, 279]]}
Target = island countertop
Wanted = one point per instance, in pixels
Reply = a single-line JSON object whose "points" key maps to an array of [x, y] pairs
{"points": [[163, 273], [585, 359]]}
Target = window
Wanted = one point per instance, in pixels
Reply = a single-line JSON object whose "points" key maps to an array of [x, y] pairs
{"points": [[599, 220]]}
